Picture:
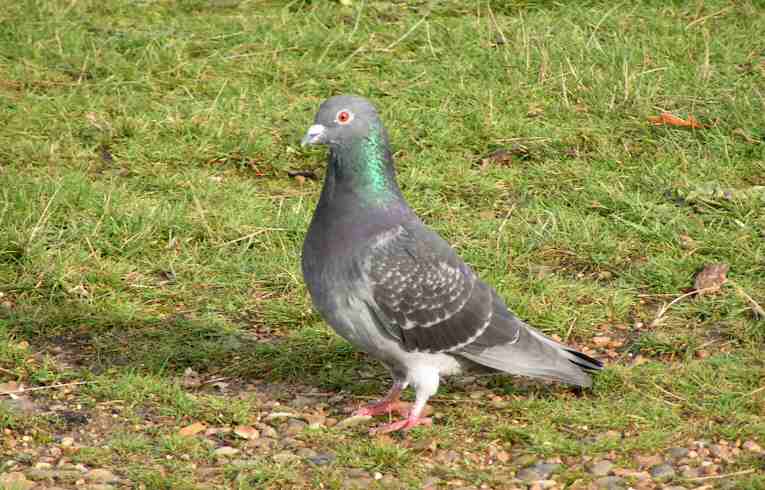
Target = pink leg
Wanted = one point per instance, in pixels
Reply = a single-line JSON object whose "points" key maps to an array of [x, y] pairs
{"points": [[413, 419], [385, 406]]}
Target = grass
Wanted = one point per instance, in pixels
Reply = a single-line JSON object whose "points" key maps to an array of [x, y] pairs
{"points": [[148, 225]]}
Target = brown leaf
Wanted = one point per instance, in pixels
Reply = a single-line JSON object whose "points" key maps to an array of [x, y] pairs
{"points": [[669, 119], [192, 430], [306, 174], [711, 278], [504, 156]]}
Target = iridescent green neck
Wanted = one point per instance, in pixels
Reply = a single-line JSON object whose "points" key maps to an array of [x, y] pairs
{"points": [[365, 166]]}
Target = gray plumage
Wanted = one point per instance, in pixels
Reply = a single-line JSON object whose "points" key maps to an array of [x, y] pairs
{"points": [[394, 288]]}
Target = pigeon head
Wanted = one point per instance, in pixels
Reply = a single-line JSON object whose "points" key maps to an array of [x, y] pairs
{"points": [[341, 120]]}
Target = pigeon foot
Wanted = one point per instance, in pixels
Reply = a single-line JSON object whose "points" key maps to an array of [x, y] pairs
{"points": [[383, 407], [405, 425]]}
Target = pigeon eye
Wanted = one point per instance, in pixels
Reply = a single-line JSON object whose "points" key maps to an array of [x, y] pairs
{"points": [[344, 117]]}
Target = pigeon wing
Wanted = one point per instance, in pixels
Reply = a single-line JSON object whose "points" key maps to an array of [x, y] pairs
{"points": [[423, 294]]}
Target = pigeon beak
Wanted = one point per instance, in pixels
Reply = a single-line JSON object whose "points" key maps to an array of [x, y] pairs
{"points": [[313, 135]]}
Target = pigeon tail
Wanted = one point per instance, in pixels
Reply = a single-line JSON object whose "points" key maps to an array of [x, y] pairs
{"points": [[509, 345]]}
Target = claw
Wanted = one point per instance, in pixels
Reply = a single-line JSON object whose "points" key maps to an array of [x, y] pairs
{"points": [[383, 407], [404, 425]]}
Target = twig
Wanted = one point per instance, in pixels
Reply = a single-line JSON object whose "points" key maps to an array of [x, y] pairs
{"points": [[762, 388], [707, 17], [666, 307], [670, 393], [758, 310], [407, 33], [358, 19], [717, 477], [8, 371], [38, 388]]}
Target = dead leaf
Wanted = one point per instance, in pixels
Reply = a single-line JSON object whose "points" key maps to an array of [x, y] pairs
{"points": [[745, 136], [192, 430], [711, 278], [306, 174], [246, 432], [669, 119], [535, 111], [504, 156]]}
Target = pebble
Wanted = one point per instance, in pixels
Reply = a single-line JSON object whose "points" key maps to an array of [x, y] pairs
{"points": [[529, 474], [677, 452], [100, 475], [752, 447], [546, 469], [306, 453], [15, 480], [322, 459], [543, 485], [662, 472], [225, 452], [525, 460], [267, 431], [41, 474], [601, 468], [295, 427], [285, 457], [353, 421], [647, 461], [689, 472], [610, 483]]}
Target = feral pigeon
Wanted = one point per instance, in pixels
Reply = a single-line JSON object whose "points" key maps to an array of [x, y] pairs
{"points": [[395, 289]]}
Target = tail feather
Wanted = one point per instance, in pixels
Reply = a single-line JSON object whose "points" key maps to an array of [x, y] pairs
{"points": [[512, 346]]}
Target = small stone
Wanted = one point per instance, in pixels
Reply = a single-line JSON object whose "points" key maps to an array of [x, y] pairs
{"points": [[68, 476], [15, 480], [529, 474], [710, 469], [647, 461], [662, 472], [67, 442], [246, 432], [267, 431], [322, 459], [752, 447], [689, 472], [601, 468], [644, 485], [546, 469], [225, 452], [285, 457], [280, 416], [720, 451], [330, 422], [353, 421], [525, 460], [306, 453], [677, 452], [302, 402], [295, 427], [610, 483], [100, 475], [43, 466], [543, 484], [41, 474]]}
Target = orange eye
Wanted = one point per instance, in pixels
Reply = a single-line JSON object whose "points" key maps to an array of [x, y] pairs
{"points": [[344, 117]]}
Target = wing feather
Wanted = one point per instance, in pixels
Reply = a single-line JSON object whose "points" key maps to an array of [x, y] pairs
{"points": [[423, 293]]}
